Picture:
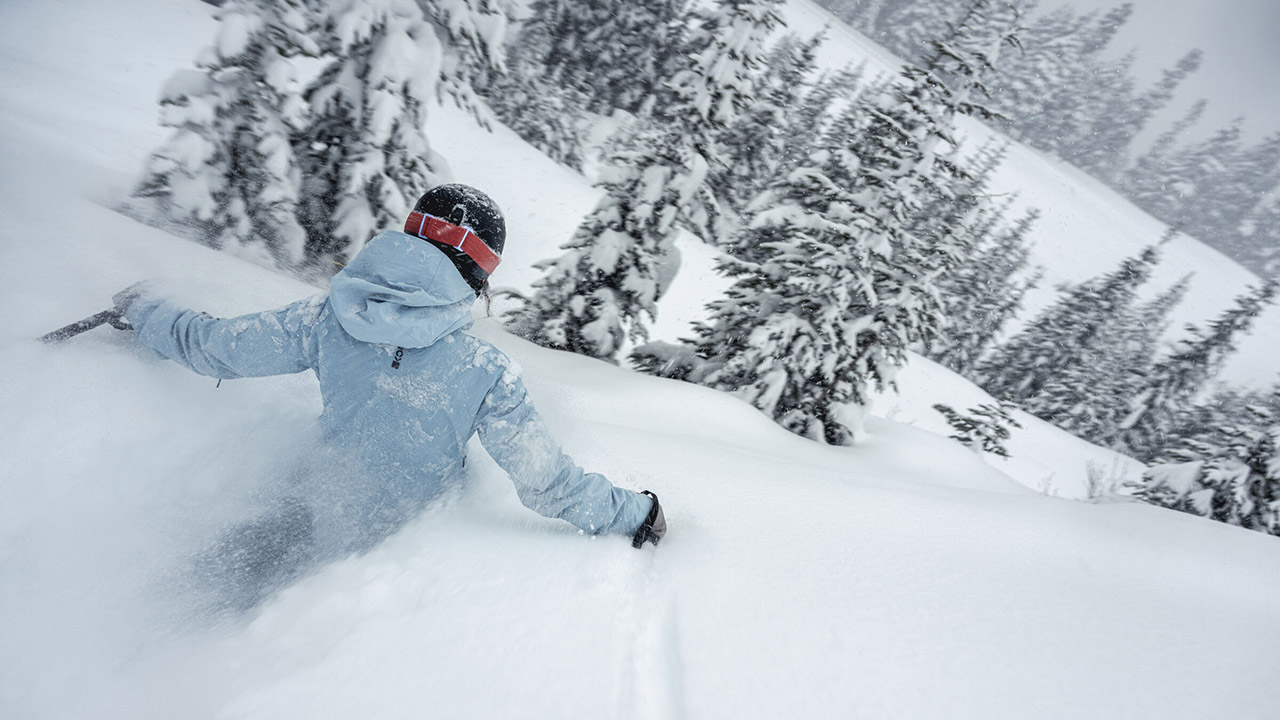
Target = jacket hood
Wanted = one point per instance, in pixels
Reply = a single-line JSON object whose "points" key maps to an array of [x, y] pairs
{"points": [[400, 290]]}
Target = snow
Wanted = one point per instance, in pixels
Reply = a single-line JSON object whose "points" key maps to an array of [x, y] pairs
{"points": [[903, 577]]}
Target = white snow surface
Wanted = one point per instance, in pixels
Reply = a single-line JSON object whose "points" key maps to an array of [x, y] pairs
{"points": [[905, 577]]}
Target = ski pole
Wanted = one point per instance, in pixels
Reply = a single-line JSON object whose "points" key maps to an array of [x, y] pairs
{"points": [[112, 317]]}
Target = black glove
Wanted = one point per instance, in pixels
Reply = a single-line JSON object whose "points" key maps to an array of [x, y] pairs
{"points": [[125, 297], [654, 526]]}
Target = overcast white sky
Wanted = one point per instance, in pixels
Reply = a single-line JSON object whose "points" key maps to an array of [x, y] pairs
{"points": [[1241, 42]]}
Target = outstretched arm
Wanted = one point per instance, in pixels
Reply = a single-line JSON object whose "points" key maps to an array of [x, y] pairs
{"points": [[546, 479], [277, 342]]}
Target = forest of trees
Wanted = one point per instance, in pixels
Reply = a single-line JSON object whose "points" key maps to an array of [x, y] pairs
{"points": [[855, 226], [1070, 92]]}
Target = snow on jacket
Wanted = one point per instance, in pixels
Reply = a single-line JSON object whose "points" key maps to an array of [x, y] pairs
{"points": [[404, 388]]}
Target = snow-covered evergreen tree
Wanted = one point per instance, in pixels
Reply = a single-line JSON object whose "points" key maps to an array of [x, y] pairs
{"points": [[1064, 88], [229, 170], [1151, 180], [985, 429], [982, 294], [909, 28], [784, 335], [367, 156], [598, 293], [1065, 338], [1173, 382], [615, 53], [813, 113], [829, 286], [1236, 482], [753, 145], [551, 119], [1092, 401]]}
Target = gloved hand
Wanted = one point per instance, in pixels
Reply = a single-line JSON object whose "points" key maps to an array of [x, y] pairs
{"points": [[654, 526], [125, 297]]}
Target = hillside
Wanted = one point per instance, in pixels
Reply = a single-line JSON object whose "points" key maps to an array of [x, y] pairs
{"points": [[904, 577]]}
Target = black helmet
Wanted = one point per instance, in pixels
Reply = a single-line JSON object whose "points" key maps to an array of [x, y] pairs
{"points": [[442, 210]]}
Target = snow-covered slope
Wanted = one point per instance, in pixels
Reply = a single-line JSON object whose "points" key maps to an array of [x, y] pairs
{"points": [[905, 577]]}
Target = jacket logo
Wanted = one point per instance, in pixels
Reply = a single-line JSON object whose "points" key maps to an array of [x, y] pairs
{"points": [[395, 364]]}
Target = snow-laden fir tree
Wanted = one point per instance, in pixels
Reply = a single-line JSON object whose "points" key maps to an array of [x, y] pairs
{"points": [[1235, 481], [1028, 80], [1206, 426], [1065, 338], [474, 34], [1174, 381], [615, 53], [907, 29], [549, 118], [1150, 181], [1218, 189], [229, 170], [916, 197], [829, 287], [982, 293], [784, 334], [985, 429], [1064, 81], [552, 118], [813, 113], [366, 154], [752, 146], [1125, 123], [598, 293], [1091, 401]]}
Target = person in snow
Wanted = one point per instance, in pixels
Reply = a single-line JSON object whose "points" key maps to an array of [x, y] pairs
{"points": [[404, 388]]}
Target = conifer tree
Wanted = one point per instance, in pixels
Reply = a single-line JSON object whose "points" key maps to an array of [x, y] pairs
{"points": [[1105, 127], [597, 294], [908, 28], [810, 118], [1151, 180], [549, 118], [615, 53], [829, 287], [367, 156], [1174, 380], [1064, 338], [752, 147], [982, 294], [1235, 482], [229, 170], [783, 335], [1091, 401]]}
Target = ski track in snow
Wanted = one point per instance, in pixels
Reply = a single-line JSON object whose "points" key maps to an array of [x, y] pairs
{"points": [[653, 676]]}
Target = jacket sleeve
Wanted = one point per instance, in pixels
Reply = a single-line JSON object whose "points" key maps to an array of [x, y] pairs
{"points": [[277, 342], [547, 480]]}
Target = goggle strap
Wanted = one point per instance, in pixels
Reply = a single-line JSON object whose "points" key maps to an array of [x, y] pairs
{"points": [[430, 227]]}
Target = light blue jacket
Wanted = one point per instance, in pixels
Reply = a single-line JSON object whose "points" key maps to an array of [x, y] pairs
{"points": [[404, 389]]}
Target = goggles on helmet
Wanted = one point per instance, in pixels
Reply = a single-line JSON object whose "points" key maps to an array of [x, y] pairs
{"points": [[430, 227]]}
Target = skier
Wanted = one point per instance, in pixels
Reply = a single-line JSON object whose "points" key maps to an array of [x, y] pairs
{"points": [[404, 388]]}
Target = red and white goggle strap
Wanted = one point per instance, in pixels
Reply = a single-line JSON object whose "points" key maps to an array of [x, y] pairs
{"points": [[430, 227]]}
